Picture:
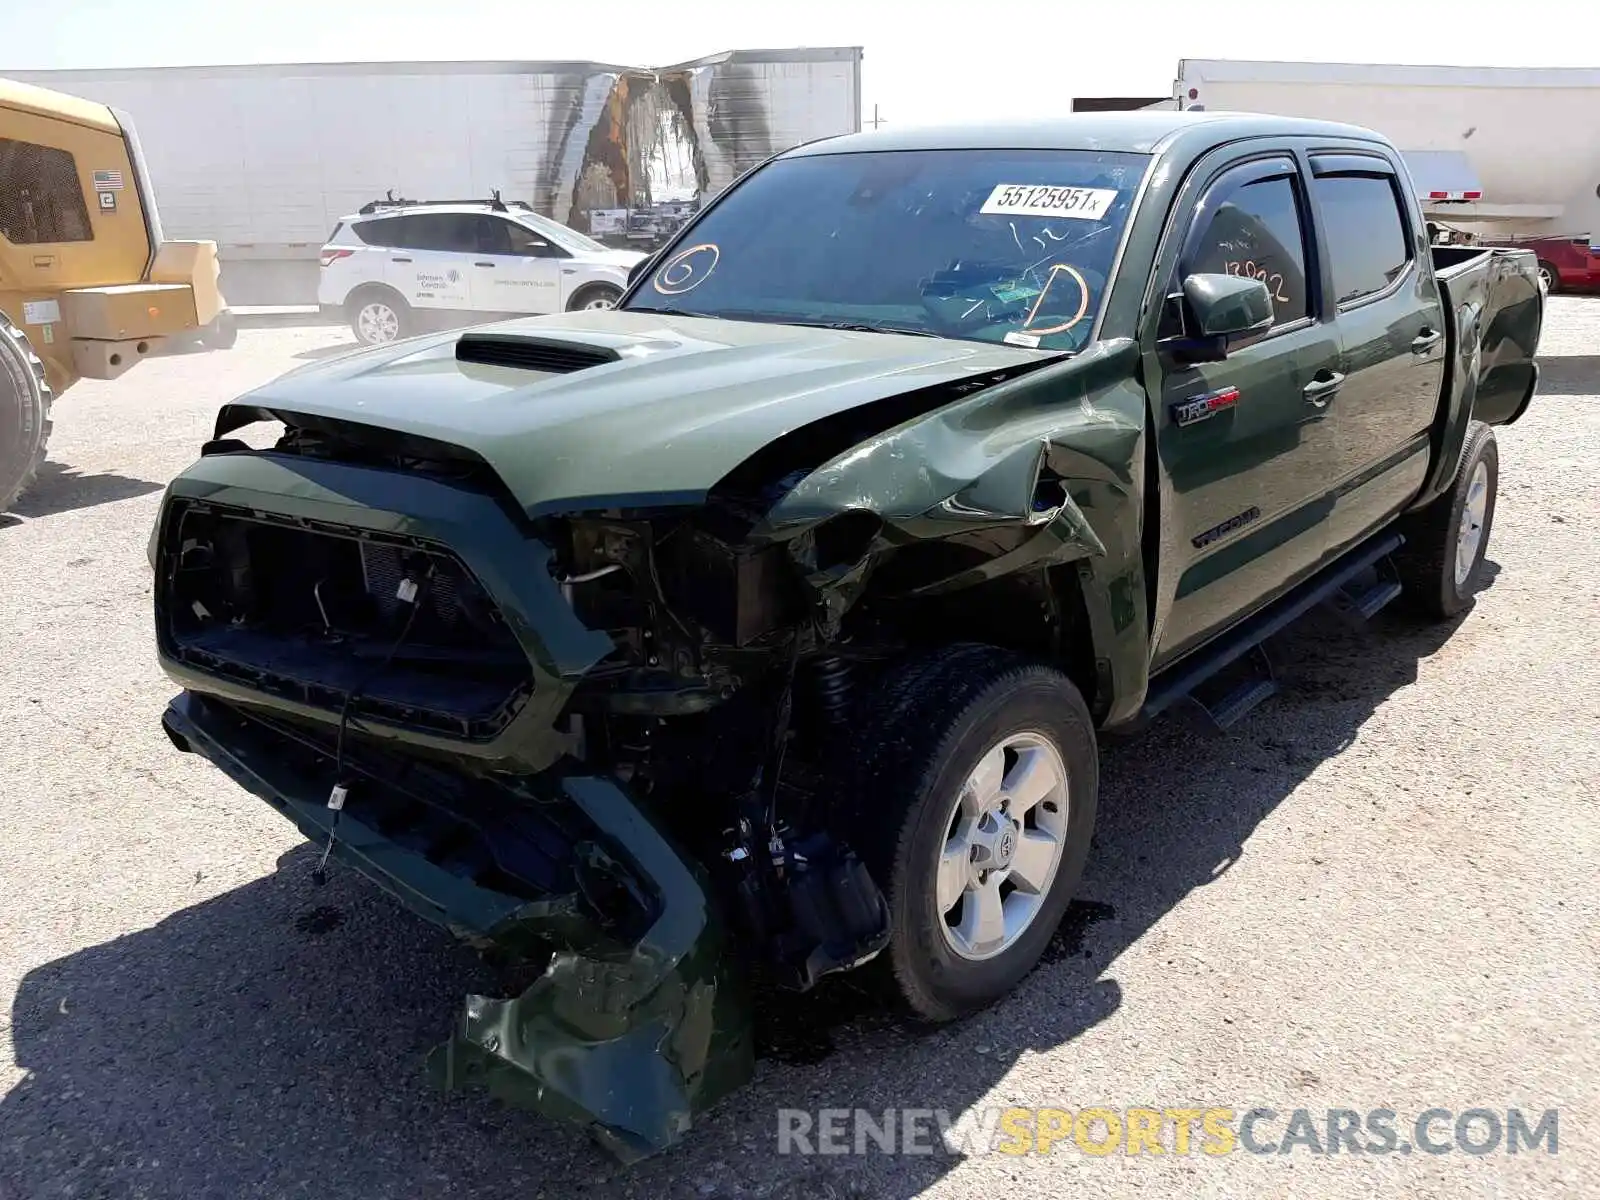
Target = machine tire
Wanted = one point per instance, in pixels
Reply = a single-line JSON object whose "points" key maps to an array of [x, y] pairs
{"points": [[595, 295], [386, 297], [921, 734], [25, 400], [1436, 567], [222, 333], [1550, 277]]}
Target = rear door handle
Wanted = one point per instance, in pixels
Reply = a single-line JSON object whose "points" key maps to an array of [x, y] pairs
{"points": [[399, 260], [1426, 340], [1322, 387], [482, 264]]}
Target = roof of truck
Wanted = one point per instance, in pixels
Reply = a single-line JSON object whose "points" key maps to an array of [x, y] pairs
{"points": [[1140, 132], [38, 101]]}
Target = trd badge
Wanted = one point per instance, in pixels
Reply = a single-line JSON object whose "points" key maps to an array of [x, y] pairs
{"points": [[1209, 404]]}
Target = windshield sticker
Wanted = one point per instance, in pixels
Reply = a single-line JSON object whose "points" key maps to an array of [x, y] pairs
{"points": [[1025, 200], [687, 269], [1010, 293], [1056, 271], [1030, 340]]}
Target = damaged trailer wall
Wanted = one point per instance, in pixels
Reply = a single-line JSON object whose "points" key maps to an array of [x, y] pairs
{"points": [[265, 159]]}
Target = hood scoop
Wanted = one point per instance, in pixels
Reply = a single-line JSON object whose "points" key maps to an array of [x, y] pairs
{"points": [[551, 356]]}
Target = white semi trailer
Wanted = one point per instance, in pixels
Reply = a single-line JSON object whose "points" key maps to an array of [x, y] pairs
{"points": [[265, 159], [1505, 152]]}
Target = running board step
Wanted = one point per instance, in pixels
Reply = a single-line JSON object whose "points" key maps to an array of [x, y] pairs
{"points": [[1183, 678], [1235, 694], [1361, 597], [1375, 597]]}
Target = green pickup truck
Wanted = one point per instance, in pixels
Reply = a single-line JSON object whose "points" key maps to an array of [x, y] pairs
{"points": [[763, 627]]}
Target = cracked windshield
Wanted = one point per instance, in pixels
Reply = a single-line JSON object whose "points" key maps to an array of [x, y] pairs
{"points": [[1011, 246]]}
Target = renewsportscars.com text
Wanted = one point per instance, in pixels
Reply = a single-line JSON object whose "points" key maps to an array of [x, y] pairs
{"points": [[1214, 1132]]}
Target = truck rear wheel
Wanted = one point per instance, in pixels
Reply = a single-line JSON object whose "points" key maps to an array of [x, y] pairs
{"points": [[24, 413], [976, 776], [1446, 542]]}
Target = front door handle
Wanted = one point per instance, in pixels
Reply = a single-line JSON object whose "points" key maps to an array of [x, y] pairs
{"points": [[1322, 387], [482, 264], [1426, 340], [399, 260]]}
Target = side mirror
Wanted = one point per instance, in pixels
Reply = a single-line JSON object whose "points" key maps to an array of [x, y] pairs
{"points": [[1228, 306], [641, 268], [1222, 312]]}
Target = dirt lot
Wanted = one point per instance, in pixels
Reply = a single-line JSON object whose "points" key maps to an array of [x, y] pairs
{"points": [[1376, 893]]}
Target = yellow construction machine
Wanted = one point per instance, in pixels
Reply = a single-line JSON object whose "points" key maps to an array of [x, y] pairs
{"points": [[88, 286]]}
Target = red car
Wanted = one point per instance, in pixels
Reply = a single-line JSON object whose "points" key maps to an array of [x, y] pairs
{"points": [[1564, 262]]}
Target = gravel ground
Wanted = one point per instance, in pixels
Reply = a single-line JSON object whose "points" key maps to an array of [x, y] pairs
{"points": [[1376, 893]]}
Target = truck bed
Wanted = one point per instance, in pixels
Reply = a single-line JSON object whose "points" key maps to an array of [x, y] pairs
{"points": [[1498, 306]]}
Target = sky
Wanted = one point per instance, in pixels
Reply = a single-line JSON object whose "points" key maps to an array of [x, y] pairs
{"points": [[941, 60]]}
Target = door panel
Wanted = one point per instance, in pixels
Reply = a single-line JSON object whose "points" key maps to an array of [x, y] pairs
{"points": [[515, 270], [426, 266], [1243, 518], [1391, 328]]}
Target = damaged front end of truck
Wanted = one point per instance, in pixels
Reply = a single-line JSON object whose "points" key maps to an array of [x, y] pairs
{"points": [[605, 734]]}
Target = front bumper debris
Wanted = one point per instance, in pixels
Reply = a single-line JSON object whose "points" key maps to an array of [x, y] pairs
{"points": [[637, 1024]]}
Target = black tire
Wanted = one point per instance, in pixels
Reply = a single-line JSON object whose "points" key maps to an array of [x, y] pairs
{"points": [[923, 730], [378, 296], [1550, 276], [25, 400], [591, 295], [222, 333], [1428, 562]]}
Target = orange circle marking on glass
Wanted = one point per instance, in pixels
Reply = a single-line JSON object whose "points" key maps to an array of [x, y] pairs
{"points": [[679, 274]]}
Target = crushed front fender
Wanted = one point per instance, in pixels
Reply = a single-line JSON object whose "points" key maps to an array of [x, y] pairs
{"points": [[632, 1029]]}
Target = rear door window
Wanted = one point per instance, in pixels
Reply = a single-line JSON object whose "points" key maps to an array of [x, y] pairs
{"points": [[453, 233], [1368, 248]]}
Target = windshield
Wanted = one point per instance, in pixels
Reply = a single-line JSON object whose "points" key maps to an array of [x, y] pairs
{"points": [[989, 245], [562, 235]]}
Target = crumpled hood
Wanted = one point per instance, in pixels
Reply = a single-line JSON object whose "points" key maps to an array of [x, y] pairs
{"points": [[688, 400]]}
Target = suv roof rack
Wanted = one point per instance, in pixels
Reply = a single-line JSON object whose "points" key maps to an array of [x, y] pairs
{"points": [[392, 201]]}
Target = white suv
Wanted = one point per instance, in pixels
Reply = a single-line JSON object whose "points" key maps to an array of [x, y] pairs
{"points": [[398, 268]]}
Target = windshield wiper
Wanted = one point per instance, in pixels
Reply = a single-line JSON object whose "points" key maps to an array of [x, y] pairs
{"points": [[862, 327], [778, 318], [669, 311]]}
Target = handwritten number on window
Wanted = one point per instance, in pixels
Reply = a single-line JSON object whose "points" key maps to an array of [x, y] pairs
{"points": [[1249, 270]]}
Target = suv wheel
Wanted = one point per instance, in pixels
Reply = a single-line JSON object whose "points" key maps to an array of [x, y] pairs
{"points": [[596, 295], [975, 789], [1446, 542], [377, 317]]}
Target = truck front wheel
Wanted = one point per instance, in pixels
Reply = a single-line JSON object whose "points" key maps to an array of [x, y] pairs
{"points": [[1446, 542], [975, 786]]}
